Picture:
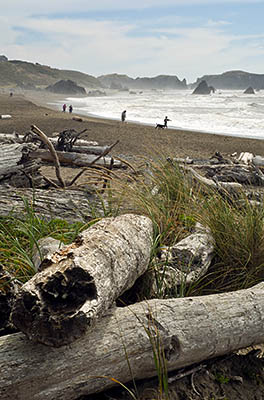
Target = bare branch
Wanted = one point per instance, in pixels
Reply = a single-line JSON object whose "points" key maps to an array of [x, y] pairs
{"points": [[50, 146], [93, 162]]}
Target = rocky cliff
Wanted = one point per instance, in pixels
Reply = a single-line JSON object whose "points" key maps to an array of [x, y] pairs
{"points": [[66, 87], [233, 80], [117, 81]]}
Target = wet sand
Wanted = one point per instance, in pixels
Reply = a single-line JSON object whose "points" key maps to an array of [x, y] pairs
{"points": [[134, 139]]}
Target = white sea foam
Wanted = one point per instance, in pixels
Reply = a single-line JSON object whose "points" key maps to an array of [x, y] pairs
{"points": [[224, 112]]}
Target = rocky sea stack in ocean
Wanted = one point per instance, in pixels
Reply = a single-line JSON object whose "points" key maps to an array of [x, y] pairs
{"points": [[203, 88], [66, 86], [249, 90]]}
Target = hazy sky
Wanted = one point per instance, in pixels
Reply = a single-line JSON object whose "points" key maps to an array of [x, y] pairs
{"points": [[187, 38]]}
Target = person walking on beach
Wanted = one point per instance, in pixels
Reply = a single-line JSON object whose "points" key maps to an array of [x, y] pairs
{"points": [[64, 107], [166, 119], [70, 109], [123, 116]]}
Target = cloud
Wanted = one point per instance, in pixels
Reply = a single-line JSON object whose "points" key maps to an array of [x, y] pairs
{"points": [[183, 45], [100, 47], [26, 7], [218, 23]]}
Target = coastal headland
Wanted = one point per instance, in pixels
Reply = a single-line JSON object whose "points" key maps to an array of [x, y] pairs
{"points": [[34, 107]]}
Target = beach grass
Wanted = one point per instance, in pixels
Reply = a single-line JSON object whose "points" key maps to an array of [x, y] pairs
{"points": [[163, 192], [19, 236]]}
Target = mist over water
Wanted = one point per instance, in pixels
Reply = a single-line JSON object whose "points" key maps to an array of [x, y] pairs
{"points": [[224, 112]]}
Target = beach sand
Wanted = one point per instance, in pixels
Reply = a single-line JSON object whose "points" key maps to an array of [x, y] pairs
{"points": [[134, 139]]}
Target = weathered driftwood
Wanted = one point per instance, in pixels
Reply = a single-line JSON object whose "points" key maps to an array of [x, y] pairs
{"points": [[245, 175], [95, 161], [245, 157], [52, 151], [185, 262], [232, 188], [9, 287], [10, 138], [74, 159], [67, 139], [5, 116], [22, 175], [59, 304], [16, 138], [189, 329], [70, 205], [10, 154], [89, 149], [243, 170]]}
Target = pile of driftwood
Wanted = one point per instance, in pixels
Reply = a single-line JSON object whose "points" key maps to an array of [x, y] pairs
{"points": [[21, 159], [74, 337], [230, 176]]}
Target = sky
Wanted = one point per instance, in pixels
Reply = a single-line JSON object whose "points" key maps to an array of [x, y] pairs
{"points": [[186, 38]]}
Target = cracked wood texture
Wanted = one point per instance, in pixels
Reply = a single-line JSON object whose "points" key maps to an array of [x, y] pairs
{"points": [[70, 205], [83, 280], [190, 329]]}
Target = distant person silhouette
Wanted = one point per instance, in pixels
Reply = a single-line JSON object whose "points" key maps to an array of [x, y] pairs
{"points": [[123, 116], [166, 119], [64, 107], [70, 109]]}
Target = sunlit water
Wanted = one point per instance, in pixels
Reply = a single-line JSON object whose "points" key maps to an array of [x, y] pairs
{"points": [[224, 112]]}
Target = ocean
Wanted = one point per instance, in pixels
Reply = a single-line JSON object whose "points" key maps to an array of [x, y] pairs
{"points": [[226, 112]]}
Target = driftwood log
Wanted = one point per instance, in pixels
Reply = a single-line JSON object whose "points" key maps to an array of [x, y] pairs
{"points": [[23, 175], [226, 188], [185, 262], [84, 279], [70, 205], [10, 155], [74, 159], [52, 152], [89, 149], [16, 138], [190, 330]]}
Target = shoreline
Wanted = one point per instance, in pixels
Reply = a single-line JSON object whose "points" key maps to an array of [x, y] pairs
{"points": [[58, 100], [135, 139], [56, 97]]}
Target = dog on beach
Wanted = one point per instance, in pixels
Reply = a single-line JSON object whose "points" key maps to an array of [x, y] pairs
{"points": [[160, 126]]}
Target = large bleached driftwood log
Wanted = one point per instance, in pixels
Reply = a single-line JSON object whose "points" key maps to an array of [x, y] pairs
{"points": [[69, 205], [190, 330], [185, 262], [60, 303]]}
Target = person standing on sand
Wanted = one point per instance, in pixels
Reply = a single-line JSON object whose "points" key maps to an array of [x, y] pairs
{"points": [[70, 109], [123, 116], [166, 119], [64, 107]]}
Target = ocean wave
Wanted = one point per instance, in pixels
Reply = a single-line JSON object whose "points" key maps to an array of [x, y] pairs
{"points": [[230, 112]]}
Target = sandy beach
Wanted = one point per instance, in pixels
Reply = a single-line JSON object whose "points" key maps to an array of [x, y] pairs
{"points": [[134, 139]]}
